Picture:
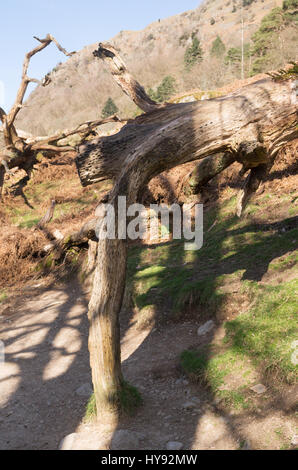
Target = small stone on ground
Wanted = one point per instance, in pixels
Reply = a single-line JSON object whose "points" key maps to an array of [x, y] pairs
{"points": [[259, 389], [206, 328], [173, 445], [84, 390], [67, 442], [126, 440], [189, 405]]}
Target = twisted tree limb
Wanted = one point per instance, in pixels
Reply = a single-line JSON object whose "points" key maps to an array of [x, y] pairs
{"points": [[20, 148], [236, 124], [62, 243], [83, 130], [124, 79], [25, 80], [25, 155], [251, 124]]}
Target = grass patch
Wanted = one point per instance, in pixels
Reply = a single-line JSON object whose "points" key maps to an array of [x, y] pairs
{"points": [[127, 402], [3, 296], [90, 412], [25, 220], [234, 399], [211, 370], [285, 262], [201, 367], [177, 282], [268, 331], [198, 293], [260, 340], [130, 399]]}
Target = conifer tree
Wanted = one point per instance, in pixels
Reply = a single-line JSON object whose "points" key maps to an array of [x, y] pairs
{"points": [[218, 48], [193, 53], [166, 89], [109, 108]]}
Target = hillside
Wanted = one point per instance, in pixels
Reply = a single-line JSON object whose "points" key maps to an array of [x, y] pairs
{"points": [[152, 54]]}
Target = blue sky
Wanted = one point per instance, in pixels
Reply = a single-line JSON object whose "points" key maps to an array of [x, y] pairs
{"points": [[74, 23]]}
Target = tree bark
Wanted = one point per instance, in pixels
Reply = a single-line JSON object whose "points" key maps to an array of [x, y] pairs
{"points": [[125, 80], [205, 171], [104, 334], [252, 182], [251, 124]]}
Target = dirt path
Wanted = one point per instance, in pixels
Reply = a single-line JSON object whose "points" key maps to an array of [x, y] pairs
{"points": [[46, 359], [44, 385]]}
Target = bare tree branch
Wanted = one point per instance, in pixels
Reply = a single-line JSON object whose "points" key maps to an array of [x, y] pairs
{"points": [[85, 128], [205, 171], [10, 118], [51, 38], [46, 219], [22, 147], [124, 79], [2, 114], [10, 134], [190, 131], [54, 148]]}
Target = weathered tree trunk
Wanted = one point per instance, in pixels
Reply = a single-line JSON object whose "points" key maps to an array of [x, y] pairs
{"points": [[250, 125], [104, 332], [205, 171], [251, 184]]}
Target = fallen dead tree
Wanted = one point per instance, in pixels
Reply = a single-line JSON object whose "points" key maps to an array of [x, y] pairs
{"points": [[20, 148], [249, 126]]}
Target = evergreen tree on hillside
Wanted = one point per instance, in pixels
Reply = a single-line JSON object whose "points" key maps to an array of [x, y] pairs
{"points": [[152, 94], [290, 5], [233, 56], [266, 38], [290, 9], [193, 53], [109, 108], [166, 89], [218, 48]]}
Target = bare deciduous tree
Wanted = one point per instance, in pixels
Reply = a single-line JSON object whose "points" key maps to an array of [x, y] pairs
{"points": [[250, 126], [20, 148]]}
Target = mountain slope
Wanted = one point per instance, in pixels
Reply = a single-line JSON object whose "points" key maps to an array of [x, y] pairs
{"points": [[81, 85]]}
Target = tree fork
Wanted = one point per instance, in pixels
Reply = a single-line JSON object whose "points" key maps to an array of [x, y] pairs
{"points": [[156, 141]]}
